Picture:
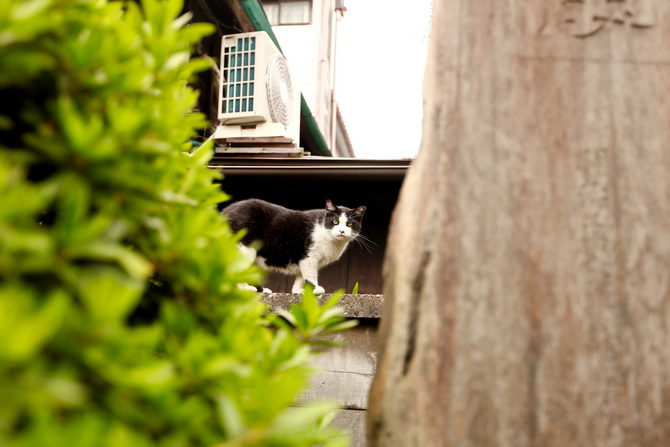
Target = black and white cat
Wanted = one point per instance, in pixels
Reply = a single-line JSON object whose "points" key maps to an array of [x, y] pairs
{"points": [[294, 242]]}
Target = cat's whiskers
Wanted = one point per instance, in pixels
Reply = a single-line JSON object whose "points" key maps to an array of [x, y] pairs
{"points": [[365, 242]]}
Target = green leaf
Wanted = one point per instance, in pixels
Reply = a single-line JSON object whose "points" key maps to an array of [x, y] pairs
{"points": [[133, 263], [196, 31], [73, 205], [29, 324], [329, 312], [310, 303], [152, 377], [343, 326], [66, 392], [333, 300], [288, 316], [82, 132], [108, 294], [300, 417], [300, 317], [202, 153], [28, 9], [230, 416]]}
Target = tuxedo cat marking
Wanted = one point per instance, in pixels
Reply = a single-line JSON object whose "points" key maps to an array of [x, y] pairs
{"points": [[295, 242]]}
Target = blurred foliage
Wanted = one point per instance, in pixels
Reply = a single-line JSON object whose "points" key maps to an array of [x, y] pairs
{"points": [[311, 320], [120, 319]]}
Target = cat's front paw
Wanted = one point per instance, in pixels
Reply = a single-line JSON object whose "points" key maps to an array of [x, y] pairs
{"points": [[257, 289], [318, 290], [247, 287]]}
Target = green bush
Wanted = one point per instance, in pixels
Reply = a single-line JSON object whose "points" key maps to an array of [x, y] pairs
{"points": [[120, 319]]}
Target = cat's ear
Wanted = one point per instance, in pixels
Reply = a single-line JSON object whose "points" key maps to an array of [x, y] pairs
{"points": [[360, 210], [330, 207]]}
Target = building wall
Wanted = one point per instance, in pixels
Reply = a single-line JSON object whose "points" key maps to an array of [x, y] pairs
{"points": [[309, 52]]}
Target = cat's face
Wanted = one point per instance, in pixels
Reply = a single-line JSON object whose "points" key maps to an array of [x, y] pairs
{"points": [[343, 223]]}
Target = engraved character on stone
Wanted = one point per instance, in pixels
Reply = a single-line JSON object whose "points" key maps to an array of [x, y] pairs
{"points": [[588, 17]]}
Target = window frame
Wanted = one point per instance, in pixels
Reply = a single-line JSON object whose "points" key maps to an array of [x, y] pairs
{"points": [[278, 4]]}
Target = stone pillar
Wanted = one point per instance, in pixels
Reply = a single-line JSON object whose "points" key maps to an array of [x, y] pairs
{"points": [[527, 278]]}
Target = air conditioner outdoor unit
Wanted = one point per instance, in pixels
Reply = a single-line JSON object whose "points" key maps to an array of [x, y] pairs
{"points": [[257, 96]]}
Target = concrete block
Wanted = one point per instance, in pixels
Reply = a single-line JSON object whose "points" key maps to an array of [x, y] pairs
{"points": [[354, 422], [358, 353], [349, 389], [346, 372]]}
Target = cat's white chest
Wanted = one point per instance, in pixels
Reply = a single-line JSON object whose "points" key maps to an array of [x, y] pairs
{"points": [[326, 247]]}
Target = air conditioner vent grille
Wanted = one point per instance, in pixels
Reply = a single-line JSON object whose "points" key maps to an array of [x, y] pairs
{"points": [[239, 74], [280, 90]]}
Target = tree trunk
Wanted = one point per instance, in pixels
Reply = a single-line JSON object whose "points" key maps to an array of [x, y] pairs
{"points": [[528, 270]]}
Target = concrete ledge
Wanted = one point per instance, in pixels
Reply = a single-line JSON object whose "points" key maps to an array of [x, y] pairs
{"points": [[354, 306], [344, 374], [354, 422]]}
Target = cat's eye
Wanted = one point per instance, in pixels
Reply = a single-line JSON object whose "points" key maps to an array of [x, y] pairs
{"points": [[350, 224], [336, 222]]}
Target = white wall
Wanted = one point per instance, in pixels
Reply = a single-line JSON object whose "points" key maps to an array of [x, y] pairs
{"points": [[308, 51]]}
